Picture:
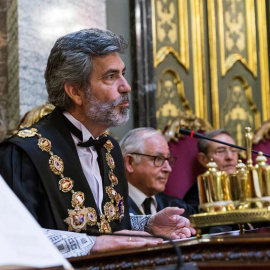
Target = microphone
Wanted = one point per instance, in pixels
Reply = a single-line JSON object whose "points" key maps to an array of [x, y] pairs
{"points": [[194, 134], [179, 265]]}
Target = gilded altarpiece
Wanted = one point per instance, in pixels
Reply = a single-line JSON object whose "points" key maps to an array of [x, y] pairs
{"points": [[211, 59], [177, 59], [239, 73]]}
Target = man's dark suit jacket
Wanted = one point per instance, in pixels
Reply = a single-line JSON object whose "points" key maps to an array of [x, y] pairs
{"points": [[26, 170], [163, 201]]}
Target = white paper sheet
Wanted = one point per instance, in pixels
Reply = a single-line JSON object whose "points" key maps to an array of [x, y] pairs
{"points": [[23, 242]]}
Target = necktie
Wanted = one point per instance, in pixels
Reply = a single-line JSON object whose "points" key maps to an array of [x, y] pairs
{"points": [[147, 206], [96, 143]]}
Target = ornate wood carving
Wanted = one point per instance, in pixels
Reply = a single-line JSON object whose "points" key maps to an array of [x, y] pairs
{"points": [[209, 251]]}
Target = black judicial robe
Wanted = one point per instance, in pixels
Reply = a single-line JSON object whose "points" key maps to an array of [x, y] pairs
{"points": [[26, 170], [163, 201]]}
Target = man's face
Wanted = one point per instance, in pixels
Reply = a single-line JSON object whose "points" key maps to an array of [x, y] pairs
{"points": [[108, 98], [225, 156], [146, 176]]}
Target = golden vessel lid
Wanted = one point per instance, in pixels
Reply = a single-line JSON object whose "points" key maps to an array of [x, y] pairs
{"points": [[261, 158], [211, 165], [240, 165]]}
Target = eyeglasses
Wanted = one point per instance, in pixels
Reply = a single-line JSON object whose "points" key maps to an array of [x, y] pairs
{"points": [[223, 151], [159, 160]]}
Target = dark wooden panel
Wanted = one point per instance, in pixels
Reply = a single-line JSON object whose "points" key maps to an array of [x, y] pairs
{"points": [[224, 251]]}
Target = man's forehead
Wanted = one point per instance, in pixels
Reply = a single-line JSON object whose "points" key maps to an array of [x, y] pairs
{"points": [[157, 145], [108, 60], [223, 138]]}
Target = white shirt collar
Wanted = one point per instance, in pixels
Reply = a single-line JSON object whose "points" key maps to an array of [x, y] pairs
{"points": [[138, 196], [86, 134]]}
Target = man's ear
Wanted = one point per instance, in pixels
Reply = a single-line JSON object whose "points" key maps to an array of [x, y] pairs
{"points": [[129, 161], [75, 94], [202, 158]]}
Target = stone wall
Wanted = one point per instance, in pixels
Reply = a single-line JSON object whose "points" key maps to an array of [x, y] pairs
{"points": [[32, 28], [3, 67]]}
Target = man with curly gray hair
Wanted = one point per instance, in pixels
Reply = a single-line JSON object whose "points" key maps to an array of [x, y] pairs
{"points": [[65, 168]]}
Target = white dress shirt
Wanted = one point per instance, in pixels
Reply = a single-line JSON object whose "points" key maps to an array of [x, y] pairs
{"points": [[138, 197], [88, 158]]}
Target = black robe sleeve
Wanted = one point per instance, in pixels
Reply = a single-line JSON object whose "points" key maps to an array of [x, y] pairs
{"points": [[22, 177]]}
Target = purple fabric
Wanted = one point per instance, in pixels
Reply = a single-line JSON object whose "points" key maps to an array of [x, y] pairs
{"points": [[263, 147], [186, 169]]}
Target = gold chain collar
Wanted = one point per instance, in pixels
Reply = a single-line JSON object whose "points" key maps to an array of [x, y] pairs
{"points": [[80, 217]]}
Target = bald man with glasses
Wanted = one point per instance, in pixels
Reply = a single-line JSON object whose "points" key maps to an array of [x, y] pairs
{"points": [[148, 164]]}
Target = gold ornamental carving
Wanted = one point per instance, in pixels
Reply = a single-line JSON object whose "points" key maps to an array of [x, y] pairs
{"points": [[213, 61], [226, 47], [264, 67], [187, 121], [239, 109], [168, 36], [237, 35], [170, 98]]}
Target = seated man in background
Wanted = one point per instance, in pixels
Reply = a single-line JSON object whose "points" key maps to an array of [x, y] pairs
{"points": [[224, 156], [226, 159], [148, 165]]}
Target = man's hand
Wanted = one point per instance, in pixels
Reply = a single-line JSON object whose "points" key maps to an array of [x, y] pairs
{"points": [[170, 224], [106, 243]]}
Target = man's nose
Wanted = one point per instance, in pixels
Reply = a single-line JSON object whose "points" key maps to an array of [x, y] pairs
{"points": [[166, 166], [124, 87], [229, 154]]}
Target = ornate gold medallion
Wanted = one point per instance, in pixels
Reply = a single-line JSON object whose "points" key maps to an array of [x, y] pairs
{"points": [[113, 178], [56, 164], [110, 161], [77, 199], [27, 133], [44, 144], [108, 145], [77, 219], [104, 225], [109, 211], [91, 216], [65, 184], [111, 193]]}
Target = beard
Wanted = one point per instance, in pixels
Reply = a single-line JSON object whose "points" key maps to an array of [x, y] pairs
{"points": [[106, 113]]}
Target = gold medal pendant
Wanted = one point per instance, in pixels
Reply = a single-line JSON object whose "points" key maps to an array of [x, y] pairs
{"points": [[88, 216], [65, 184], [27, 133], [110, 161], [113, 178], [56, 164], [108, 145], [44, 144], [77, 199], [111, 193], [109, 211], [77, 219], [91, 216], [103, 225]]}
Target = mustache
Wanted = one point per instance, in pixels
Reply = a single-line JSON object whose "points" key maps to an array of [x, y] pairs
{"points": [[124, 98]]}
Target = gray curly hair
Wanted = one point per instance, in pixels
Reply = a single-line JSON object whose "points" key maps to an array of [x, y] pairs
{"points": [[71, 59]]}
